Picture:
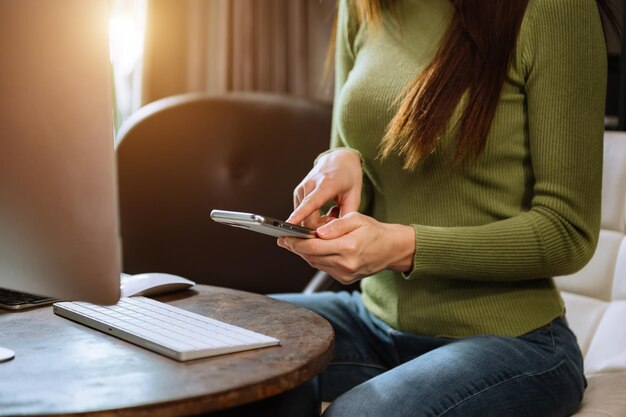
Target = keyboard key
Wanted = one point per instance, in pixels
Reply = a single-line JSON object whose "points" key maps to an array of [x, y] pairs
{"points": [[165, 329]]}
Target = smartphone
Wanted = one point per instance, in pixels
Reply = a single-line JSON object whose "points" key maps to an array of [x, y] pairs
{"points": [[262, 224]]}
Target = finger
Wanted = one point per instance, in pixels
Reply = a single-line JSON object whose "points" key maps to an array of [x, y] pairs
{"points": [[313, 221], [311, 203], [298, 196], [296, 200], [322, 264], [301, 191], [320, 220], [312, 247], [324, 220], [350, 203], [316, 220], [331, 265], [340, 226]]}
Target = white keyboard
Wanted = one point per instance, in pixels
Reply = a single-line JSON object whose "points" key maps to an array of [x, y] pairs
{"points": [[165, 329]]}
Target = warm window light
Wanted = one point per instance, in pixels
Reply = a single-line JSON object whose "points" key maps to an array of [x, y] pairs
{"points": [[126, 37], [126, 43]]}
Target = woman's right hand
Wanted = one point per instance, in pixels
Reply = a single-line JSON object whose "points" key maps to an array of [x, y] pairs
{"points": [[337, 176]]}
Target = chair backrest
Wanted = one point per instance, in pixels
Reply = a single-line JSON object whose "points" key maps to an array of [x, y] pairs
{"points": [[595, 297], [181, 157]]}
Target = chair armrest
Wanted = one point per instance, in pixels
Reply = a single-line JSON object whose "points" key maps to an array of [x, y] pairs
{"points": [[321, 281]]}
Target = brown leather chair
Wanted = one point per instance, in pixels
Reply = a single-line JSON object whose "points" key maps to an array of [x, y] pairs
{"points": [[182, 156]]}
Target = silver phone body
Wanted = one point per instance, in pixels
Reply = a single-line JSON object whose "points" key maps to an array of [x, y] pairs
{"points": [[262, 224]]}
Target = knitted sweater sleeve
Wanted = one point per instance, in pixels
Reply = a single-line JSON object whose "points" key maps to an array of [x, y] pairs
{"points": [[346, 30], [344, 61], [565, 60]]}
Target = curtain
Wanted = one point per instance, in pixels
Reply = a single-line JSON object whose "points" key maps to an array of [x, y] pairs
{"points": [[236, 45]]}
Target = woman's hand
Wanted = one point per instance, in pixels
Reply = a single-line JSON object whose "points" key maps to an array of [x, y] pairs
{"points": [[337, 176], [356, 246]]}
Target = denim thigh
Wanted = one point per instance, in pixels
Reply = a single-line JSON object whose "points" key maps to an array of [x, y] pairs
{"points": [[536, 374], [365, 347], [379, 371]]}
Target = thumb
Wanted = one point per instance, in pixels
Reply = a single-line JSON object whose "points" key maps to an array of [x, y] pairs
{"points": [[339, 227]]}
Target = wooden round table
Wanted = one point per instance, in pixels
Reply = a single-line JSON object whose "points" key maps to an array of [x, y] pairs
{"points": [[62, 367]]}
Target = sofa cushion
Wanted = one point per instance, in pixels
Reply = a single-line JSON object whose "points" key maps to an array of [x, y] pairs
{"points": [[607, 351], [605, 396], [596, 278], [583, 315], [613, 190]]}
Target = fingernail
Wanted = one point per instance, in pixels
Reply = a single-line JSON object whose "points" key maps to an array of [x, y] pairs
{"points": [[322, 231]]}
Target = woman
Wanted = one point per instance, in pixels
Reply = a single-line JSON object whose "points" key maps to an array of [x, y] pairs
{"points": [[465, 165]]}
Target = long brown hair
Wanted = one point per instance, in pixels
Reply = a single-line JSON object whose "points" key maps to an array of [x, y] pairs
{"points": [[471, 62]]}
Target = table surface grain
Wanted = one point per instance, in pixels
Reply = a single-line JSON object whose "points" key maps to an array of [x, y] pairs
{"points": [[64, 368]]}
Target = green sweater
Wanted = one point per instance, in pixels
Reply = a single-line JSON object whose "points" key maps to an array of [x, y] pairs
{"points": [[488, 237]]}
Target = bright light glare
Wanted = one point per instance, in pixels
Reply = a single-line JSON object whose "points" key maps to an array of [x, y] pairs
{"points": [[126, 43]]}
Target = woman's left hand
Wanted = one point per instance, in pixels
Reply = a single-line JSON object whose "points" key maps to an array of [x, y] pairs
{"points": [[356, 246]]}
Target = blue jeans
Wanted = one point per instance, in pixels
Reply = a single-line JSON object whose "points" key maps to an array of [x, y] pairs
{"points": [[378, 371]]}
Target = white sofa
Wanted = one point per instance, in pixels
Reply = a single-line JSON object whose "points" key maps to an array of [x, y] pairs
{"points": [[595, 297]]}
